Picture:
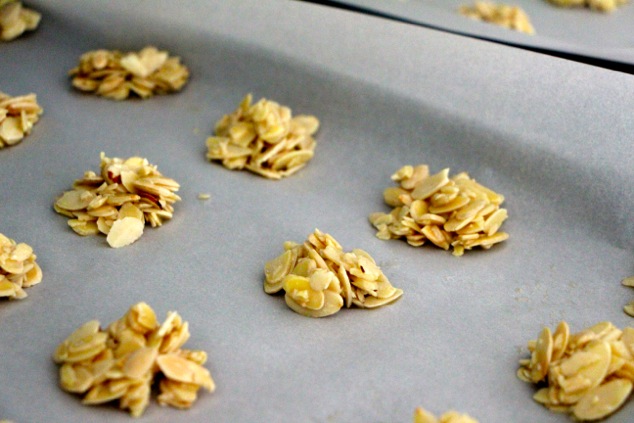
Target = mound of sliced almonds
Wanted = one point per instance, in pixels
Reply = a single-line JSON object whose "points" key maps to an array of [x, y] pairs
{"points": [[423, 416], [263, 138], [17, 117], [15, 19], [122, 361], [629, 308], [449, 212], [119, 201], [318, 277], [598, 5], [117, 75], [18, 269], [504, 15], [589, 373]]}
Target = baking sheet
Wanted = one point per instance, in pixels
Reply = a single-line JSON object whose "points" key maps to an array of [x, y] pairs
{"points": [[571, 31], [550, 135]]}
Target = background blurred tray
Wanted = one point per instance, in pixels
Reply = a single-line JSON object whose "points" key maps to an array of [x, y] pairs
{"points": [[603, 39], [554, 137]]}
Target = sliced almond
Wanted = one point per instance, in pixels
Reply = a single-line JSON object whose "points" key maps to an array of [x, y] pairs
{"points": [[124, 232]]}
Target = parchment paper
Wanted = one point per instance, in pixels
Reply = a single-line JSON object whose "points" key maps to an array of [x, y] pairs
{"points": [[554, 137]]}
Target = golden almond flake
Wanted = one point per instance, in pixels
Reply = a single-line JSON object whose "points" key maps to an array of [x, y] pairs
{"points": [[598, 5], [126, 195], [17, 117], [629, 308], [423, 416], [448, 211], [511, 17], [122, 362], [18, 268], [429, 185], [15, 19], [139, 362], [603, 400], [180, 369], [541, 357], [581, 374], [560, 340], [124, 232], [204, 196], [264, 138], [117, 75], [318, 277]]}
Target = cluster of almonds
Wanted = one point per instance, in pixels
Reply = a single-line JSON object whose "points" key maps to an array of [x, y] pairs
{"points": [[122, 361], [17, 117], [18, 268], [455, 211], [16, 19], [115, 75], [424, 416], [318, 277], [119, 201], [588, 374], [629, 308], [600, 5], [264, 138], [511, 17]]}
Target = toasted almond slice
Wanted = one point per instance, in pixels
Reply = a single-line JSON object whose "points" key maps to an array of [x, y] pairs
{"points": [[292, 159], [458, 203], [542, 355], [374, 302], [423, 416], [10, 13], [105, 211], [276, 269], [392, 195], [180, 369], [11, 130], [299, 288], [524, 375], [31, 18], [321, 279], [332, 304], [560, 340], [596, 370], [139, 362], [101, 394], [83, 228], [418, 173], [75, 378], [494, 221], [7, 289], [629, 281], [21, 252], [429, 185], [33, 276], [435, 235], [309, 124], [130, 210], [603, 400], [487, 241], [124, 232], [403, 173], [345, 285], [74, 200]]}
